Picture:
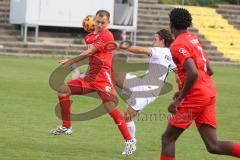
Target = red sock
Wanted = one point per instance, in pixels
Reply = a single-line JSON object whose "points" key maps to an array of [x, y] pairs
{"points": [[236, 150], [167, 158], [121, 123], [65, 104]]}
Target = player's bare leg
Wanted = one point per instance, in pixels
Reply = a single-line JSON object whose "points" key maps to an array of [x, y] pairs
{"points": [[169, 139], [118, 79], [63, 95], [64, 90], [209, 136], [120, 121], [130, 113]]}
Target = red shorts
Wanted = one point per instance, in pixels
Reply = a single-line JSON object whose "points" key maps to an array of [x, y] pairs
{"points": [[202, 112], [103, 87]]}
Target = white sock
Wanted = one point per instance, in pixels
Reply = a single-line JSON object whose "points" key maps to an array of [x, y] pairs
{"points": [[131, 128]]}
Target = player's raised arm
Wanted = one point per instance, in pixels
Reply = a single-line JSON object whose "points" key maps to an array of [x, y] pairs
{"points": [[137, 50], [68, 62], [85, 54], [162, 39]]}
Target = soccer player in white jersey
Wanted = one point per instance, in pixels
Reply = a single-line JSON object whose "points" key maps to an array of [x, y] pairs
{"points": [[160, 64]]}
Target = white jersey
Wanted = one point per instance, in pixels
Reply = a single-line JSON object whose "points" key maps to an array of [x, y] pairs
{"points": [[160, 64], [162, 57]]}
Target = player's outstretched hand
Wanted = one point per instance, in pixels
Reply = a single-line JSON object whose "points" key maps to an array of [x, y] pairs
{"points": [[125, 45], [65, 62], [172, 108]]}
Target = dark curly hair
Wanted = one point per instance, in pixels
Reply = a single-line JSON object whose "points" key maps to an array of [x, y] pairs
{"points": [[180, 18], [166, 35]]}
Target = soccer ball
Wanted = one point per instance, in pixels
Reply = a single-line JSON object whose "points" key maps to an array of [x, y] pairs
{"points": [[88, 23]]}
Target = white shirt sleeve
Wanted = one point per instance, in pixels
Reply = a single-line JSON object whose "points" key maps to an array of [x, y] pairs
{"points": [[154, 52], [162, 56]]}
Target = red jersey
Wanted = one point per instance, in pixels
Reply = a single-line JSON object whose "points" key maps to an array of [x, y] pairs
{"points": [[188, 45], [101, 61]]}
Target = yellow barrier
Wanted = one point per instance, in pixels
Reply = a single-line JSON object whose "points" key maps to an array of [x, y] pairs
{"points": [[217, 30]]}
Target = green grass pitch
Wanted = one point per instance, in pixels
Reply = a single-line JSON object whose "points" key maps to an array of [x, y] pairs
{"points": [[27, 114]]}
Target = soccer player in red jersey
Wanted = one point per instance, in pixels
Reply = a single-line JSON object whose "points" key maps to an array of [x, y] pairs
{"points": [[196, 98], [98, 79]]}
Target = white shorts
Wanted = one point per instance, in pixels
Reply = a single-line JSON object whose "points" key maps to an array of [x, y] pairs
{"points": [[140, 96], [139, 104]]}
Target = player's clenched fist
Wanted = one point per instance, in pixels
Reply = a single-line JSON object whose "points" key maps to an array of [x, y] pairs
{"points": [[174, 105]]}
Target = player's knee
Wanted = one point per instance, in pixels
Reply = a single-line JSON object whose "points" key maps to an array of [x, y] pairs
{"points": [[213, 148], [127, 116], [130, 114], [63, 90], [109, 105], [165, 139]]}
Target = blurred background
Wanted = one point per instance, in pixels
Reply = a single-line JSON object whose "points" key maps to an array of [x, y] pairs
{"points": [[51, 27]]}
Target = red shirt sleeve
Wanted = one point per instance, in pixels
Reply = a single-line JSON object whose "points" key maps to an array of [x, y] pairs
{"points": [[103, 38], [180, 53]]}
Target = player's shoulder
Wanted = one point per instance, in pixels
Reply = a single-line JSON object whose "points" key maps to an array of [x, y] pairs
{"points": [[177, 44], [89, 37], [182, 41], [158, 52], [184, 38], [106, 32], [179, 49]]}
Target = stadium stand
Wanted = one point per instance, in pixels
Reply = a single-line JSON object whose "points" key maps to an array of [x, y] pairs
{"points": [[217, 30], [151, 17], [231, 13]]}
